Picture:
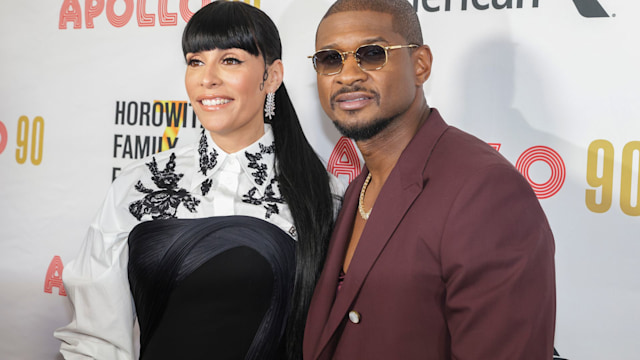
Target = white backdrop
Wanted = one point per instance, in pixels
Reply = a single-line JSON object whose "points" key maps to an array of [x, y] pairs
{"points": [[547, 82]]}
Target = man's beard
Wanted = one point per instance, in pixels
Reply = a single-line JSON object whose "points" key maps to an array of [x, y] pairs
{"points": [[364, 132]]}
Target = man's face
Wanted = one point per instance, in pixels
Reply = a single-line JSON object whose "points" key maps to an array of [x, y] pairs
{"points": [[362, 103]]}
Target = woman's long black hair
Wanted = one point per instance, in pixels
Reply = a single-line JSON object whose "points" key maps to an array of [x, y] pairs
{"points": [[304, 182]]}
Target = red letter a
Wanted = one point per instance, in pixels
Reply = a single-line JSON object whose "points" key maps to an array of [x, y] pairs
{"points": [[70, 11], [344, 159], [54, 277]]}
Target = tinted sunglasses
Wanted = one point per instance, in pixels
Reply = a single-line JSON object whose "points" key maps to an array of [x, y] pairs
{"points": [[369, 57]]}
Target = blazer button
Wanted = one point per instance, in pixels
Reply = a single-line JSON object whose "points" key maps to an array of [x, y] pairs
{"points": [[354, 317]]}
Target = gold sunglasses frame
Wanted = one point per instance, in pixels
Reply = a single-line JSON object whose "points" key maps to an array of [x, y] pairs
{"points": [[344, 54]]}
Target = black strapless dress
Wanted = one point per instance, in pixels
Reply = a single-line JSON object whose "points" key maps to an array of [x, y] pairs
{"points": [[211, 288]]}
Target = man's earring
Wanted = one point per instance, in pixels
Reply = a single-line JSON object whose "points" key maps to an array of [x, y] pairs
{"points": [[270, 106]]}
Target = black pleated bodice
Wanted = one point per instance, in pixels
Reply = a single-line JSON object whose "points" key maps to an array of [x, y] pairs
{"points": [[211, 288]]}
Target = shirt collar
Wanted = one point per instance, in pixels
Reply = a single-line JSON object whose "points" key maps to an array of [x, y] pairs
{"points": [[256, 160]]}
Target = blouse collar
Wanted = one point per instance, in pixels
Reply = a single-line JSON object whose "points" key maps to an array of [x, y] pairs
{"points": [[256, 160]]}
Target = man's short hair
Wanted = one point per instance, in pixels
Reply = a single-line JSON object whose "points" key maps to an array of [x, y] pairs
{"points": [[404, 18]]}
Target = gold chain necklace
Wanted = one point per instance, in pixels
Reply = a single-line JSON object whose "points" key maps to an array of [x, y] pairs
{"points": [[363, 214]]}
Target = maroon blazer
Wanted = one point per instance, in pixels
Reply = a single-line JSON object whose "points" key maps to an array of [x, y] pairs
{"points": [[456, 262]]}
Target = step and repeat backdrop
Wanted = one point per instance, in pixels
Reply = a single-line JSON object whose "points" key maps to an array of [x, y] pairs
{"points": [[89, 86]]}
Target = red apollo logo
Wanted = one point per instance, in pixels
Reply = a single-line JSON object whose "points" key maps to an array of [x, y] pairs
{"points": [[71, 11], [345, 161], [550, 157], [120, 12]]}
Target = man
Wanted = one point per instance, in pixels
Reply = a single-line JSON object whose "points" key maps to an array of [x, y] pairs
{"points": [[446, 250]]}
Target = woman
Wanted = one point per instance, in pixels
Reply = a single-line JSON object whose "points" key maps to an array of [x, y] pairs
{"points": [[240, 220]]}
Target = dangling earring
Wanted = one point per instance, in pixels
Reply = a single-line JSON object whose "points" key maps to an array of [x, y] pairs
{"points": [[270, 106]]}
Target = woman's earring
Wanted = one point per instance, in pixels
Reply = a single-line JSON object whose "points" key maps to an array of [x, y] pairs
{"points": [[270, 106]]}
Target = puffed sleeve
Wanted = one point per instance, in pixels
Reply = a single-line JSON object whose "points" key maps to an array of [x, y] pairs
{"points": [[97, 285], [498, 266]]}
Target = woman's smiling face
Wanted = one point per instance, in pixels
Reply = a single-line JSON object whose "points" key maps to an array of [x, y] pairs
{"points": [[224, 87]]}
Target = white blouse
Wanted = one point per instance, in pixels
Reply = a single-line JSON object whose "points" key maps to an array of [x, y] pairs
{"points": [[194, 181]]}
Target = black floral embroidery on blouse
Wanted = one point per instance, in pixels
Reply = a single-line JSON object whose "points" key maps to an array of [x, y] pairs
{"points": [[206, 186], [207, 162], [260, 174], [267, 149], [162, 203], [269, 201]]}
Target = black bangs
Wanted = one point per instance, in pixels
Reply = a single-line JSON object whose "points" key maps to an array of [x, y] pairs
{"points": [[220, 25]]}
